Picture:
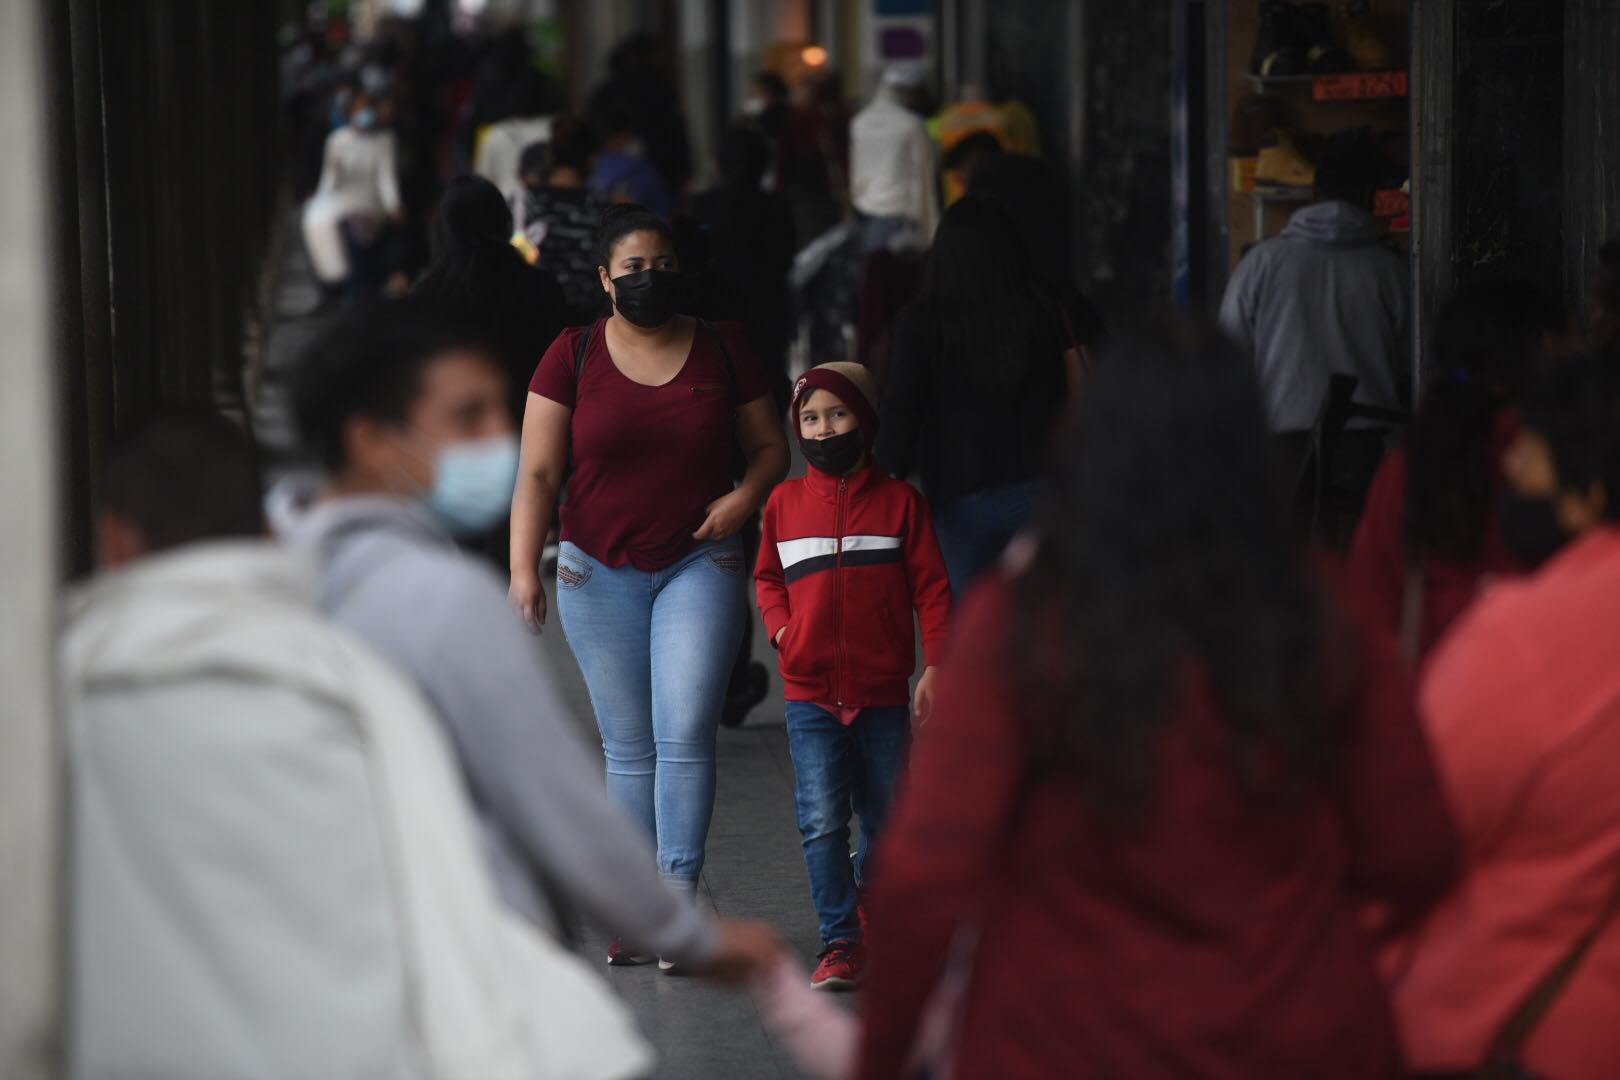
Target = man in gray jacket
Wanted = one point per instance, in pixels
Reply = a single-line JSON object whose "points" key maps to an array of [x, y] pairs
{"points": [[410, 420], [1324, 298]]}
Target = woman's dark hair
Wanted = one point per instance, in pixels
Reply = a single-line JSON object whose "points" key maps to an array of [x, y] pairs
{"points": [[570, 143], [1486, 342], [622, 219], [988, 319], [370, 364], [1574, 405], [473, 220], [1165, 569], [480, 282]]}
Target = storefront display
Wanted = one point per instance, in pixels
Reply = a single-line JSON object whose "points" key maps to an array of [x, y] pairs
{"points": [[1303, 78]]}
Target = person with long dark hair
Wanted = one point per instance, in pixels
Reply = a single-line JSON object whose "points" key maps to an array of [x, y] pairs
{"points": [[1164, 772], [480, 281], [976, 383], [1432, 531], [635, 418]]}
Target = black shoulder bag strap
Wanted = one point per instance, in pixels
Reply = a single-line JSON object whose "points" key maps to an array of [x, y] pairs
{"points": [[1502, 1061], [581, 350]]}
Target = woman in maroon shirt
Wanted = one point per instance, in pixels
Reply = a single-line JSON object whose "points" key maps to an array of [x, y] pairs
{"points": [[1164, 773], [640, 414]]}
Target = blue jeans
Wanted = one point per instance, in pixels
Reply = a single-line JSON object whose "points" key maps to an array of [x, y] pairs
{"points": [[974, 530], [836, 768], [656, 649]]}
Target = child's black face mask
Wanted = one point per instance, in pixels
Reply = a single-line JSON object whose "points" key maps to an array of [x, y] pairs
{"points": [[836, 454]]}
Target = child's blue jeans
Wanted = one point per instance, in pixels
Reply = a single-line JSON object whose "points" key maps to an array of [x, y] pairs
{"points": [[836, 769]]}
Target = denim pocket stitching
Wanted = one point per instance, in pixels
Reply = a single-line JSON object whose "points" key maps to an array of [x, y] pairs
{"points": [[570, 576], [727, 562]]}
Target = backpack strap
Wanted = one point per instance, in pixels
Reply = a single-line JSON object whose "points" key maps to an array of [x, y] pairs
{"points": [[581, 351]]}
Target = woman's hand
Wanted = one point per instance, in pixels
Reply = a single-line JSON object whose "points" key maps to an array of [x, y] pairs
{"points": [[726, 515], [528, 598]]}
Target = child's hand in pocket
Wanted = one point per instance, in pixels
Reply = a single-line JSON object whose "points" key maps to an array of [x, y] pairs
{"points": [[922, 702]]}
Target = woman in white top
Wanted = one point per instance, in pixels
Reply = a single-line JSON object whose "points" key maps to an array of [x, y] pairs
{"points": [[357, 197]]}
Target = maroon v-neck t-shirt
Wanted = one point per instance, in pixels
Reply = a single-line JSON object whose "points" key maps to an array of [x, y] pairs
{"points": [[647, 460]]}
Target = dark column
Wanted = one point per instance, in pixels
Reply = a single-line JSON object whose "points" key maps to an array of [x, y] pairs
{"points": [[1124, 183], [1490, 143], [1591, 140]]}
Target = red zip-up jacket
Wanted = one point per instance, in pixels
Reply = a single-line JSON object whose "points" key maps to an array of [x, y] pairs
{"points": [[843, 561]]}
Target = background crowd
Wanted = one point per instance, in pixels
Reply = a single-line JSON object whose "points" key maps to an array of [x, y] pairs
{"points": [[1265, 723]]}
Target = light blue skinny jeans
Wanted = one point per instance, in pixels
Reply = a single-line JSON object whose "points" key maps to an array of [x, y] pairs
{"points": [[657, 649]]}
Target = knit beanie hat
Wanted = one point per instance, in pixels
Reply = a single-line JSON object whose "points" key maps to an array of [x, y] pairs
{"points": [[850, 383]]}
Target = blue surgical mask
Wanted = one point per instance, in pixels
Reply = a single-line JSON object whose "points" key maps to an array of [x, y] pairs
{"points": [[472, 483], [365, 119]]}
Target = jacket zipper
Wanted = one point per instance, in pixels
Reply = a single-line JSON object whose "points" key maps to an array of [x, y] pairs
{"points": [[838, 602]]}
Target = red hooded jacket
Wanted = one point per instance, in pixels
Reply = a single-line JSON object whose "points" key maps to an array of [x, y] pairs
{"points": [[843, 561]]}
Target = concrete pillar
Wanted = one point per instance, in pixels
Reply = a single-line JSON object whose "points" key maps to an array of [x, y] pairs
{"points": [[30, 820]]}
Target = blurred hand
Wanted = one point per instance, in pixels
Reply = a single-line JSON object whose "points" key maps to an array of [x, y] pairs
{"points": [[923, 700], [777, 640], [743, 947], [528, 598], [726, 515]]}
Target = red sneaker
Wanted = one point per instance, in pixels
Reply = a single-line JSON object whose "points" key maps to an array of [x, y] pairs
{"points": [[621, 955], [841, 965]]}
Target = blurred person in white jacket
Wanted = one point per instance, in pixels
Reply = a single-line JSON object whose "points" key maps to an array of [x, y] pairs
{"points": [[275, 870], [894, 167], [356, 201]]}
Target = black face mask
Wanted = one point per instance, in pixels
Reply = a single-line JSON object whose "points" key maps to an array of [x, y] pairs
{"points": [[836, 454], [1531, 529], [648, 297]]}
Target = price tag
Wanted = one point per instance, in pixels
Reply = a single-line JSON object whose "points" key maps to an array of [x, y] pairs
{"points": [[1359, 86]]}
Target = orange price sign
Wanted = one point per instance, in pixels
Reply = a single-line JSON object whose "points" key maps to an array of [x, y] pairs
{"points": [[1359, 86]]}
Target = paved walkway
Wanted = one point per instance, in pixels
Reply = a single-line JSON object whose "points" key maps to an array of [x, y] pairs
{"points": [[754, 863]]}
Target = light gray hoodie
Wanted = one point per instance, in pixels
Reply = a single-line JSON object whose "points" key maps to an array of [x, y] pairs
{"points": [[1324, 298], [391, 574]]}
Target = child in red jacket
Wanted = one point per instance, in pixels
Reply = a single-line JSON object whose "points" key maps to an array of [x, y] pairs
{"points": [[846, 555]]}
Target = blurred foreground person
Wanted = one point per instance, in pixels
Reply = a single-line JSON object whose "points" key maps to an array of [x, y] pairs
{"points": [[1164, 772], [1521, 963], [1431, 534], [275, 867], [409, 417]]}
